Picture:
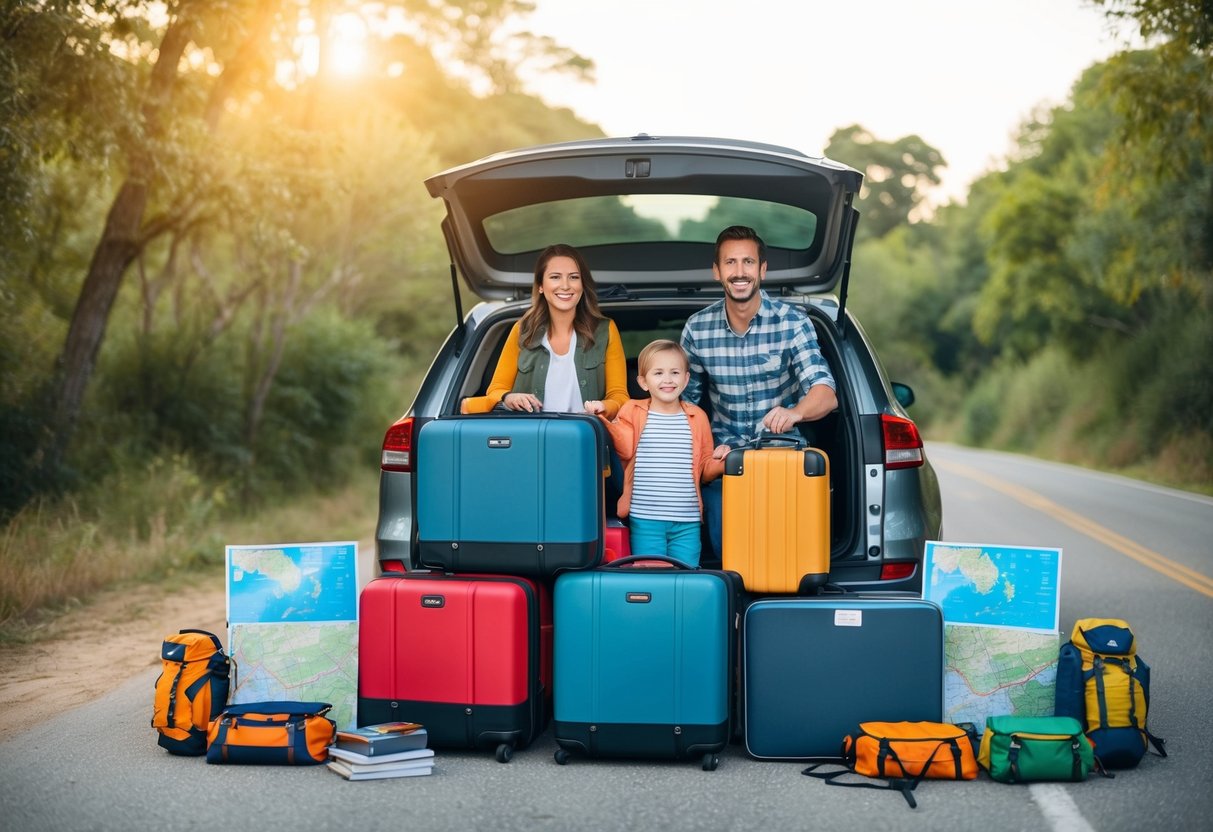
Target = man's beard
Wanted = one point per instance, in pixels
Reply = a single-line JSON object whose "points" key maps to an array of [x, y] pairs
{"points": [[730, 290]]}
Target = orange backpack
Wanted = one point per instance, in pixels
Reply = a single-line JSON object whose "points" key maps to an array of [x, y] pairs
{"points": [[191, 690]]}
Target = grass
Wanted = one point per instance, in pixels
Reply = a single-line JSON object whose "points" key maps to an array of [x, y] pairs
{"points": [[161, 524]]}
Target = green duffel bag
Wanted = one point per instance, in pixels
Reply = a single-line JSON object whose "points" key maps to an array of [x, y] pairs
{"points": [[1028, 749]]}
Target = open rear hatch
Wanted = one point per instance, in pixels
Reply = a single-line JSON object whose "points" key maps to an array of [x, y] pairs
{"points": [[645, 212]]}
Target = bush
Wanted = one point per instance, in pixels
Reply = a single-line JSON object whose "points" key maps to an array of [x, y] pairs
{"points": [[1169, 386], [981, 413], [328, 408], [1034, 397], [325, 411]]}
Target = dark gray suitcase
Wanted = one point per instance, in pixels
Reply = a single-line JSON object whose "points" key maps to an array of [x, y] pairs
{"points": [[814, 668]]}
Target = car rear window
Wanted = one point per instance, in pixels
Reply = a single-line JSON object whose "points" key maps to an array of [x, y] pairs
{"points": [[646, 218]]}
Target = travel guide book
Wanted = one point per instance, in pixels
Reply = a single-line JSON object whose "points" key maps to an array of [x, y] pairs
{"points": [[380, 771], [385, 738], [418, 756]]}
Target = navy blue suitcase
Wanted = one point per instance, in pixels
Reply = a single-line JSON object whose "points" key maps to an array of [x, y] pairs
{"points": [[814, 668], [511, 494], [644, 661]]}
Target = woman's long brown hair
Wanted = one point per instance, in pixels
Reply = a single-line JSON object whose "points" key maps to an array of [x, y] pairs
{"points": [[586, 316]]}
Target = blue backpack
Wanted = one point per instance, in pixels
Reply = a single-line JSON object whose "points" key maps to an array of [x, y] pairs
{"points": [[1105, 685]]}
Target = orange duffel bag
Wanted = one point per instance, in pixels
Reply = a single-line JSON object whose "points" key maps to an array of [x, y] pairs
{"points": [[905, 753], [276, 733]]}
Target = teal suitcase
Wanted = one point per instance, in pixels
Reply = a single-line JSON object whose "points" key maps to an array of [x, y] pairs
{"points": [[511, 494], [643, 661]]}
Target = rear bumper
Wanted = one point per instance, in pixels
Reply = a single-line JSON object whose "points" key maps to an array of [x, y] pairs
{"points": [[394, 530]]}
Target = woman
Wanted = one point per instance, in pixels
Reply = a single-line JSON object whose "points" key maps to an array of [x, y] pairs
{"points": [[563, 355]]}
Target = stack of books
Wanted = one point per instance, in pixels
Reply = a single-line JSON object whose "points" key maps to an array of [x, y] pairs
{"points": [[376, 752]]}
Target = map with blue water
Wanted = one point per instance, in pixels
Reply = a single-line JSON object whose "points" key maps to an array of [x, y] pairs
{"points": [[292, 583], [293, 616], [994, 586]]}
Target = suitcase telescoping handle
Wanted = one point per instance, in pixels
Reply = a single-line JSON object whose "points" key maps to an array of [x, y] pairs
{"points": [[766, 439], [664, 560]]}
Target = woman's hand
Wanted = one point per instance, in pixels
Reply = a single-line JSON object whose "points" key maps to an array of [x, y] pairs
{"points": [[595, 407], [524, 402]]}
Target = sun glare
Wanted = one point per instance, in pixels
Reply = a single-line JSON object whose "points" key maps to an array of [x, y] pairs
{"points": [[344, 54], [347, 45]]}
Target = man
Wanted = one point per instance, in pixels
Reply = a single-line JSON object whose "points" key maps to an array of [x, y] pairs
{"points": [[763, 367]]}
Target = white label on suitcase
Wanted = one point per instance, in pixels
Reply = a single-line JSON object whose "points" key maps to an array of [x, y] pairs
{"points": [[848, 618]]}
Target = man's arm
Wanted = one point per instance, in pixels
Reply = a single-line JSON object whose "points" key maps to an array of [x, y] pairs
{"points": [[813, 373], [819, 401]]}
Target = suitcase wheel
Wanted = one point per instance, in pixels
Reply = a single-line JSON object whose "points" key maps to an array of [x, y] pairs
{"points": [[561, 756], [505, 752], [710, 761]]}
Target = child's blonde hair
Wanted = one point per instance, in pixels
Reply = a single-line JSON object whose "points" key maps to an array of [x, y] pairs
{"points": [[645, 359]]}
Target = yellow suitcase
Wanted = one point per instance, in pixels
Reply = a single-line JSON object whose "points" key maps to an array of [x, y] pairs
{"points": [[776, 518]]}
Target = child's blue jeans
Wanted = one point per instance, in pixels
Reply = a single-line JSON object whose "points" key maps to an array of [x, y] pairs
{"points": [[679, 540]]}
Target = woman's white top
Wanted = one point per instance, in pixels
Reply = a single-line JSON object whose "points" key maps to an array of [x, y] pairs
{"points": [[561, 392]]}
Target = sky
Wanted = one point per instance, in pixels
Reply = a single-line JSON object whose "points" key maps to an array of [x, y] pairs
{"points": [[961, 74]]}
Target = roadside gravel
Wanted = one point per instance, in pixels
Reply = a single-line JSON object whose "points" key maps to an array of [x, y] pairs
{"points": [[97, 647]]}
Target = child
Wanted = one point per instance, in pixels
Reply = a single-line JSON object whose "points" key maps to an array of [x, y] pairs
{"points": [[666, 446]]}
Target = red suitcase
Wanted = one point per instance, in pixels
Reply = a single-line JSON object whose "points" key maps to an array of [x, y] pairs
{"points": [[617, 542], [467, 656]]}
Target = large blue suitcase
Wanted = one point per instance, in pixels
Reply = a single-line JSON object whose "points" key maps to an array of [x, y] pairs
{"points": [[644, 661], [814, 668], [511, 494]]}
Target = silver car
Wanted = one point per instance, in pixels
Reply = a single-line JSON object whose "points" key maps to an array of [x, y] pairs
{"points": [[645, 213]]}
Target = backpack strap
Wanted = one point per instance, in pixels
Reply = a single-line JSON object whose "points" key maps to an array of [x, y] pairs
{"points": [[1160, 745], [1097, 672], [220, 742], [1139, 674], [1013, 758], [214, 638], [172, 696], [1124, 665], [199, 683], [905, 785]]}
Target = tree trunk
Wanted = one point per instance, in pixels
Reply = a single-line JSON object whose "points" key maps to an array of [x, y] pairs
{"points": [[119, 245]]}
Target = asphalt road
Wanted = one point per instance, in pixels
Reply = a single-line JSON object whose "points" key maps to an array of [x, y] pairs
{"points": [[1130, 550]]}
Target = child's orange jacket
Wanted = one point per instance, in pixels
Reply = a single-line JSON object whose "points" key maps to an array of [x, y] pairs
{"points": [[625, 434]]}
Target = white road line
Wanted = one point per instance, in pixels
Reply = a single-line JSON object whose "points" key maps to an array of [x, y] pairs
{"points": [[1058, 807]]}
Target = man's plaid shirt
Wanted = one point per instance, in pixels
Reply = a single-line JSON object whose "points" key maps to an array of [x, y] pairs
{"points": [[773, 363]]}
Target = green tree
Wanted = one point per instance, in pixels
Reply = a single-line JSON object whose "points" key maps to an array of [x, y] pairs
{"points": [[1164, 97], [148, 153], [895, 175], [1167, 101], [187, 169]]}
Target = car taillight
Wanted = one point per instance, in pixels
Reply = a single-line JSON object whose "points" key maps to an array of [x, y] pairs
{"points": [[897, 570], [902, 443], [398, 446]]}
